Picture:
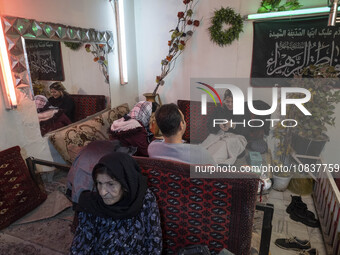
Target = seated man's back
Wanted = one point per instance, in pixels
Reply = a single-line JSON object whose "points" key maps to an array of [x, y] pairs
{"points": [[187, 153], [170, 121]]}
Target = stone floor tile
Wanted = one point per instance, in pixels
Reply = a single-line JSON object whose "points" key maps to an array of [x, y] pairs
{"points": [[276, 194], [287, 195]]}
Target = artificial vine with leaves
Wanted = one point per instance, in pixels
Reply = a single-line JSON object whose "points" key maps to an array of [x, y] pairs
{"points": [[275, 5], [185, 28], [99, 52]]}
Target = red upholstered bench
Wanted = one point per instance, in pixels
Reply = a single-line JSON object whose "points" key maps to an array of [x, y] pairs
{"points": [[87, 105], [218, 213]]}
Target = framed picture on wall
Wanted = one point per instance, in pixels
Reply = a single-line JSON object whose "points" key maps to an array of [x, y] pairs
{"points": [[45, 60]]}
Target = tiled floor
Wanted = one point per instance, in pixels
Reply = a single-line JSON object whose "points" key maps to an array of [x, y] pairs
{"points": [[284, 227]]}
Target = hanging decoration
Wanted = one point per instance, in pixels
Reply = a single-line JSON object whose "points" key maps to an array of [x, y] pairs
{"points": [[73, 45], [185, 28], [223, 16], [274, 6], [99, 53]]}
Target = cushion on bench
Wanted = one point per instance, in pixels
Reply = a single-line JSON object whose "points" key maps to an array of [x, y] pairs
{"points": [[19, 194], [70, 140]]}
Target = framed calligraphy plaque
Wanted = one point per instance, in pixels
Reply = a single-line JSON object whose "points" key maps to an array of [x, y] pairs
{"points": [[282, 48], [45, 60]]}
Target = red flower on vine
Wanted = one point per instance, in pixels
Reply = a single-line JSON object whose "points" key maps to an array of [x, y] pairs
{"points": [[180, 15], [98, 51]]}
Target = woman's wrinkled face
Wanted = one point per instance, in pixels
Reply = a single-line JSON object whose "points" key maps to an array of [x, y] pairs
{"points": [[55, 93], [109, 189], [228, 102], [39, 103]]}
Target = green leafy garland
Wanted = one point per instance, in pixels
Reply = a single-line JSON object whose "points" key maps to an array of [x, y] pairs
{"points": [[274, 6], [228, 16], [73, 45]]}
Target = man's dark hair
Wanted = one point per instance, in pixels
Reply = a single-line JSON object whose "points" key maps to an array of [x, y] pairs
{"points": [[168, 118]]}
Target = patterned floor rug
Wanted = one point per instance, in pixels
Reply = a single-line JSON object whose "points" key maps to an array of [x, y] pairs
{"points": [[52, 233], [55, 203], [10, 245]]}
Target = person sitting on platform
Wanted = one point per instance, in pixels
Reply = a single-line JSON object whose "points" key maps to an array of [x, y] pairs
{"points": [[41, 103], [79, 178], [133, 129], [170, 121], [60, 98], [50, 118], [121, 216], [227, 141]]}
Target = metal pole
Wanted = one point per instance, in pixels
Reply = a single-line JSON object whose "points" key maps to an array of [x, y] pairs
{"points": [[333, 13]]}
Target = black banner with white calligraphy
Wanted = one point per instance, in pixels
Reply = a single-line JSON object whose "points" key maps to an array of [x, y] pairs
{"points": [[45, 60], [283, 48]]}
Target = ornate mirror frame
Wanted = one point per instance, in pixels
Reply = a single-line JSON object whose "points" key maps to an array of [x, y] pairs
{"points": [[18, 29]]}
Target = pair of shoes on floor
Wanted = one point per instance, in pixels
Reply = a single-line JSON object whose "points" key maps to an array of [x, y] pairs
{"points": [[311, 251], [303, 246], [293, 244], [298, 203], [298, 211]]}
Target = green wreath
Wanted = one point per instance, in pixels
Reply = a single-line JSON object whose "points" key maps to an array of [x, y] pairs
{"points": [[228, 16]]}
